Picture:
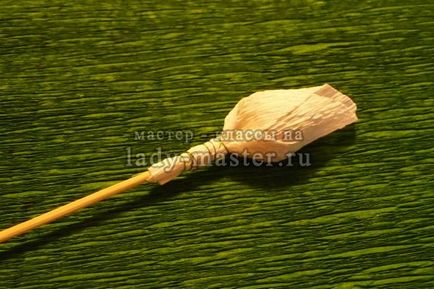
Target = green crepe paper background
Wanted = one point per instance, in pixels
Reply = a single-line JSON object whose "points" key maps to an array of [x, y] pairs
{"points": [[77, 79]]}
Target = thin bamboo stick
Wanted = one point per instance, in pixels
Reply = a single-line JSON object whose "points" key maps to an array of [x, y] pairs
{"points": [[74, 206]]}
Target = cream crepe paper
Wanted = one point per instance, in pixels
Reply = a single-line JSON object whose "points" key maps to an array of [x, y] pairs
{"points": [[267, 125]]}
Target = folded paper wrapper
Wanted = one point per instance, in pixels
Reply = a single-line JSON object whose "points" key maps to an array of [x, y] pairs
{"points": [[311, 112]]}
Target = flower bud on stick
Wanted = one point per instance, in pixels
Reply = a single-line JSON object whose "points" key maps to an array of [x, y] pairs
{"points": [[313, 112]]}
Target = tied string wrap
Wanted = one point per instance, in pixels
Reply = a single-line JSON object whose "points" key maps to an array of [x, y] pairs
{"points": [[197, 156]]}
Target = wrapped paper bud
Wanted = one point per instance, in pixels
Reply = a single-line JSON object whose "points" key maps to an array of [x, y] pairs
{"points": [[268, 125], [287, 120]]}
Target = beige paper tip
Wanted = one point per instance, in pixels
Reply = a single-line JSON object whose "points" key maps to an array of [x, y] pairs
{"points": [[292, 118], [268, 125]]}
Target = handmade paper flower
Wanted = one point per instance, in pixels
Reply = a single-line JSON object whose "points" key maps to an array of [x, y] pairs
{"points": [[266, 125]]}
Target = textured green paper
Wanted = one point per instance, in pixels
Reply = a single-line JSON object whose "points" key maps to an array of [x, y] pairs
{"points": [[78, 79]]}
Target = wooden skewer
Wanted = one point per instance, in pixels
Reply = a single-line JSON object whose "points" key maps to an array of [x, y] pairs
{"points": [[72, 207]]}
